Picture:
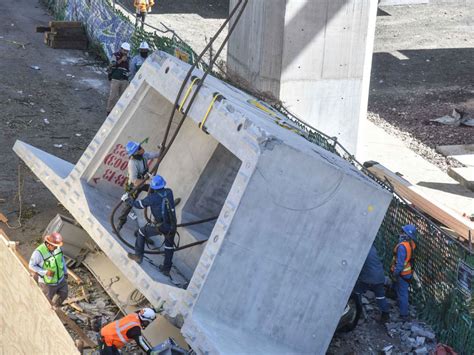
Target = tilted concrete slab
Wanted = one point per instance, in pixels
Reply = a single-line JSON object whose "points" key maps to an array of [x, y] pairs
{"points": [[295, 221]]}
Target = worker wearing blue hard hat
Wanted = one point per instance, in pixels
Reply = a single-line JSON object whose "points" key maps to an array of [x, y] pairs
{"points": [[402, 266], [137, 174], [162, 206]]}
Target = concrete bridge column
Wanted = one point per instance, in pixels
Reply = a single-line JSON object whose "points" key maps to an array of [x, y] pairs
{"points": [[313, 55]]}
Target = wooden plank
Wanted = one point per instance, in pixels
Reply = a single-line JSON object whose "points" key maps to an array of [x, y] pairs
{"points": [[27, 312], [41, 29], [65, 24], [74, 300], [74, 276], [427, 204]]}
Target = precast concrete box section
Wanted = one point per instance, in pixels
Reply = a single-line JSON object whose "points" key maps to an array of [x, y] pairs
{"points": [[295, 221]]}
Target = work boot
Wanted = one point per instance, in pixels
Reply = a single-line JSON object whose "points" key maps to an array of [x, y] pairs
{"points": [[135, 257], [164, 271], [55, 301], [385, 318]]}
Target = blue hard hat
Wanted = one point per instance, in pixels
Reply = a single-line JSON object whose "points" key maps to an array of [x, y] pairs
{"points": [[132, 147], [410, 230], [157, 182]]}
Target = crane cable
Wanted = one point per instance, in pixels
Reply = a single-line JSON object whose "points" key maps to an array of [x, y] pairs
{"points": [[164, 147]]}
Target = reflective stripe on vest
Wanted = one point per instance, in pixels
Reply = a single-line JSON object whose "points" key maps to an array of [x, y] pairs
{"points": [[407, 266], [115, 333], [52, 261]]}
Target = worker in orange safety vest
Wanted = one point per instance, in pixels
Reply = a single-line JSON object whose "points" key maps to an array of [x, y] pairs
{"points": [[123, 331], [142, 7], [402, 267]]}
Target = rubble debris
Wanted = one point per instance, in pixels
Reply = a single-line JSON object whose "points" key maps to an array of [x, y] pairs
{"points": [[456, 118], [394, 337]]}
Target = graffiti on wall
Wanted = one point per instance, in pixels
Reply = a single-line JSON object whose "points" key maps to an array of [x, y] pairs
{"points": [[102, 24]]}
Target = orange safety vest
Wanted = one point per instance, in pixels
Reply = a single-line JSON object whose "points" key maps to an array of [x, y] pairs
{"points": [[408, 265], [143, 5], [115, 333]]}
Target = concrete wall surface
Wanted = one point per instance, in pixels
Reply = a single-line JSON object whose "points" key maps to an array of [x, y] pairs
{"points": [[290, 214], [28, 324], [313, 55]]}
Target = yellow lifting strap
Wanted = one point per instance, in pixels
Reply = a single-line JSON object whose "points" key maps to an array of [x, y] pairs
{"points": [[188, 91], [201, 125]]}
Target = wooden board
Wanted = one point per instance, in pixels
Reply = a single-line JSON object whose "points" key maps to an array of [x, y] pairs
{"points": [[41, 29], [428, 205], [26, 317], [65, 24]]}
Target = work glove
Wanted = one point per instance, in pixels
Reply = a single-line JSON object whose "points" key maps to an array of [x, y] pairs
{"points": [[125, 197]]}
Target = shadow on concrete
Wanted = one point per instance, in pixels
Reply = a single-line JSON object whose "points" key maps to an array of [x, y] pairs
{"points": [[454, 189], [410, 87], [217, 9], [381, 12]]}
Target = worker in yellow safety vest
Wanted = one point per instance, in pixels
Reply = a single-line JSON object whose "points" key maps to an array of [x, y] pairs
{"points": [[402, 267], [117, 334], [142, 7], [47, 262]]}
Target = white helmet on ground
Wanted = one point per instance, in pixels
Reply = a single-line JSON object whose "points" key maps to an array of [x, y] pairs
{"points": [[125, 46], [147, 315], [144, 45]]}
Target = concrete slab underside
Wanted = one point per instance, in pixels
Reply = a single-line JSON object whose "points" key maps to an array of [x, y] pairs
{"points": [[290, 215]]}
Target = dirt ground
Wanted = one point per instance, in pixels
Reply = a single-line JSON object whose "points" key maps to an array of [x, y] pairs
{"points": [[62, 104], [422, 69]]}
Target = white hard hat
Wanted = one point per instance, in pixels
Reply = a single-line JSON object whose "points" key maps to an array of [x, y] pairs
{"points": [[125, 46], [147, 314], [144, 45]]}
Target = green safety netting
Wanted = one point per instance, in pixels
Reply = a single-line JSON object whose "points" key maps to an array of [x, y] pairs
{"points": [[442, 289]]}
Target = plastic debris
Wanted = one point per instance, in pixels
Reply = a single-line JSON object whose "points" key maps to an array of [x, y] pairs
{"points": [[42, 110], [78, 134], [456, 118], [46, 121], [58, 145], [35, 67]]}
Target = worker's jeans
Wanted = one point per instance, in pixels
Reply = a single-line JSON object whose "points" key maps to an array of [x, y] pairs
{"points": [[108, 350], [142, 16], [401, 287], [117, 87], [151, 230], [378, 289], [126, 208], [55, 293]]}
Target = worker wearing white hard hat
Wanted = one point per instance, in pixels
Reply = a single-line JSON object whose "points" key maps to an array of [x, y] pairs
{"points": [[118, 72], [139, 59], [119, 333]]}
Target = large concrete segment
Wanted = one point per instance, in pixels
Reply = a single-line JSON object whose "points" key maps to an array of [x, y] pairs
{"points": [[283, 204], [28, 324], [303, 248], [313, 55]]}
